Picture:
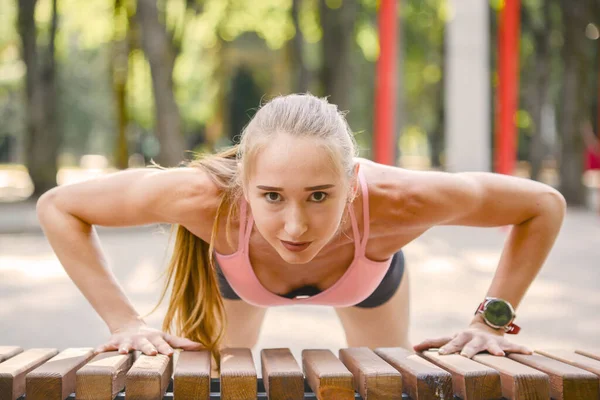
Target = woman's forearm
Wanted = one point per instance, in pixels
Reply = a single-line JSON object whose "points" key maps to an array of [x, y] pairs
{"points": [[77, 247], [526, 250]]}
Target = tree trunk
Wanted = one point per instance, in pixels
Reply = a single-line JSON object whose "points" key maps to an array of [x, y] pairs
{"points": [[119, 64], [161, 57], [301, 74], [538, 89], [42, 141], [338, 41], [574, 96]]}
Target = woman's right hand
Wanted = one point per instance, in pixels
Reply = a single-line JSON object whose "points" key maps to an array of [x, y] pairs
{"points": [[148, 340]]}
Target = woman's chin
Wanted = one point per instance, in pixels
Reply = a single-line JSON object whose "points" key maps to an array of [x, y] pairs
{"points": [[297, 257]]}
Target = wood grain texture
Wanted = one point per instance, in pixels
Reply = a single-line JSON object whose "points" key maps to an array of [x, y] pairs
{"points": [[56, 378], [595, 354], [149, 377], [374, 379], [566, 382], [470, 380], [519, 382], [14, 370], [572, 358], [103, 376], [238, 374], [421, 379], [281, 374], [192, 375], [7, 352], [327, 376]]}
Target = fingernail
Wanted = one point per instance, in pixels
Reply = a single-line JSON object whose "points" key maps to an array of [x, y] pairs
{"points": [[441, 351]]}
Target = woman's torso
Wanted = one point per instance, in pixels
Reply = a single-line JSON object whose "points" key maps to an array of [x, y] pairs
{"points": [[333, 260]]}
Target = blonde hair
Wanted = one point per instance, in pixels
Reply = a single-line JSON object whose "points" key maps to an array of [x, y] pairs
{"points": [[196, 306]]}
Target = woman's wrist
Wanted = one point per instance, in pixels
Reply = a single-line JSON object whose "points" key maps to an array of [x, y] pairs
{"points": [[479, 323], [126, 323]]}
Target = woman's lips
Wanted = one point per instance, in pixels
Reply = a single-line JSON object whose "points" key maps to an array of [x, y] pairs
{"points": [[295, 246]]}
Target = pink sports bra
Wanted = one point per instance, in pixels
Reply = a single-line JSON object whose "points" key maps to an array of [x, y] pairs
{"points": [[358, 282]]}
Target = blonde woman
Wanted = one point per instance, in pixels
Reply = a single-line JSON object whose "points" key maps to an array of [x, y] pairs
{"points": [[292, 216]]}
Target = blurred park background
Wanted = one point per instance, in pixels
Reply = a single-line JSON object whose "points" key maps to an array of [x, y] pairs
{"points": [[96, 86]]}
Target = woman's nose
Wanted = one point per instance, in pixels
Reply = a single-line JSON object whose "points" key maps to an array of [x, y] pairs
{"points": [[295, 224]]}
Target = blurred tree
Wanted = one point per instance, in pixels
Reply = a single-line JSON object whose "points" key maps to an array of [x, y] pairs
{"points": [[537, 27], [161, 53], [119, 71], [338, 19], [577, 54], [298, 67], [244, 98], [42, 140]]}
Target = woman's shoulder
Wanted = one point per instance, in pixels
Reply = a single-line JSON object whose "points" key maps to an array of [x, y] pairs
{"points": [[397, 196], [199, 200]]}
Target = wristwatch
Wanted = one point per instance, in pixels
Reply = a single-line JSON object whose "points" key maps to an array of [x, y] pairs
{"points": [[498, 314]]}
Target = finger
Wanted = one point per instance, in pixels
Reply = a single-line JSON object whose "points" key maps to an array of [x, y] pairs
{"points": [[494, 348], [516, 348], [455, 345], [146, 347], [182, 343], [473, 347], [125, 347], [431, 344], [162, 347], [105, 347]]}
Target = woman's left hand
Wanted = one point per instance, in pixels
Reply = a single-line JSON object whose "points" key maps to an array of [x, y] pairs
{"points": [[475, 339]]}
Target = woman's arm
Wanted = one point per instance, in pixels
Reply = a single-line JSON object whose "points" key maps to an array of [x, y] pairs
{"points": [[535, 211], [68, 214]]}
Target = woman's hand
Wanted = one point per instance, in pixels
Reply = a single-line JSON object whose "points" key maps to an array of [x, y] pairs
{"points": [[475, 339], [148, 340]]}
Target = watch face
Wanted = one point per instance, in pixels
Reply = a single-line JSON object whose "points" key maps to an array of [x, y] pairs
{"points": [[498, 313]]}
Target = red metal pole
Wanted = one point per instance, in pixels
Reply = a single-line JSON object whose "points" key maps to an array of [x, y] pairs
{"points": [[508, 71], [385, 84]]}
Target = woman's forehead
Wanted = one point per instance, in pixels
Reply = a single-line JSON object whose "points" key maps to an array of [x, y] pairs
{"points": [[298, 156]]}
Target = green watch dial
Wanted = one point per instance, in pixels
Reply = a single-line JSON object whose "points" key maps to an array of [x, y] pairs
{"points": [[498, 313]]}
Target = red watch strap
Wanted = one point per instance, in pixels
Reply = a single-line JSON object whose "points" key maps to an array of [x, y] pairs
{"points": [[512, 329]]}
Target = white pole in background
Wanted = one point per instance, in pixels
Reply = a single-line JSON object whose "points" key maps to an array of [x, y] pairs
{"points": [[467, 87]]}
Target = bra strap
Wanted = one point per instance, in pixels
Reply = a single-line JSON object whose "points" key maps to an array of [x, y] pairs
{"points": [[366, 218], [243, 224], [355, 231]]}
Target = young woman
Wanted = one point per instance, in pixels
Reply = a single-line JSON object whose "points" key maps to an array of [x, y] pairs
{"points": [[291, 216]]}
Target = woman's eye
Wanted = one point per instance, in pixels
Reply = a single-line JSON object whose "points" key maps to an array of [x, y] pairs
{"points": [[319, 196], [272, 197]]}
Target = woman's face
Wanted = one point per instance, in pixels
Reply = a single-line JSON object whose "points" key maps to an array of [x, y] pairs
{"points": [[296, 196]]}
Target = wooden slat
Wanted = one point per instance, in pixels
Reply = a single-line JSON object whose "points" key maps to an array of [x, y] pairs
{"points": [[327, 376], [7, 352], [149, 377], [595, 354], [103, 377], [14, 370], [238, 374], [421, 379], [374, 379], [519, 381], [566, 382], [192, 375], [572, 358], [282, 376], [56, 378], [470, 379]]}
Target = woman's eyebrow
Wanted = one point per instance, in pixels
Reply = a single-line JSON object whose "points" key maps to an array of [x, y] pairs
{"points": [[308, 189]]}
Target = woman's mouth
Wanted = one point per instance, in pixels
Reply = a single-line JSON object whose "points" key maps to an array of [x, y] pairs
{"points": [[295, 246]]}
